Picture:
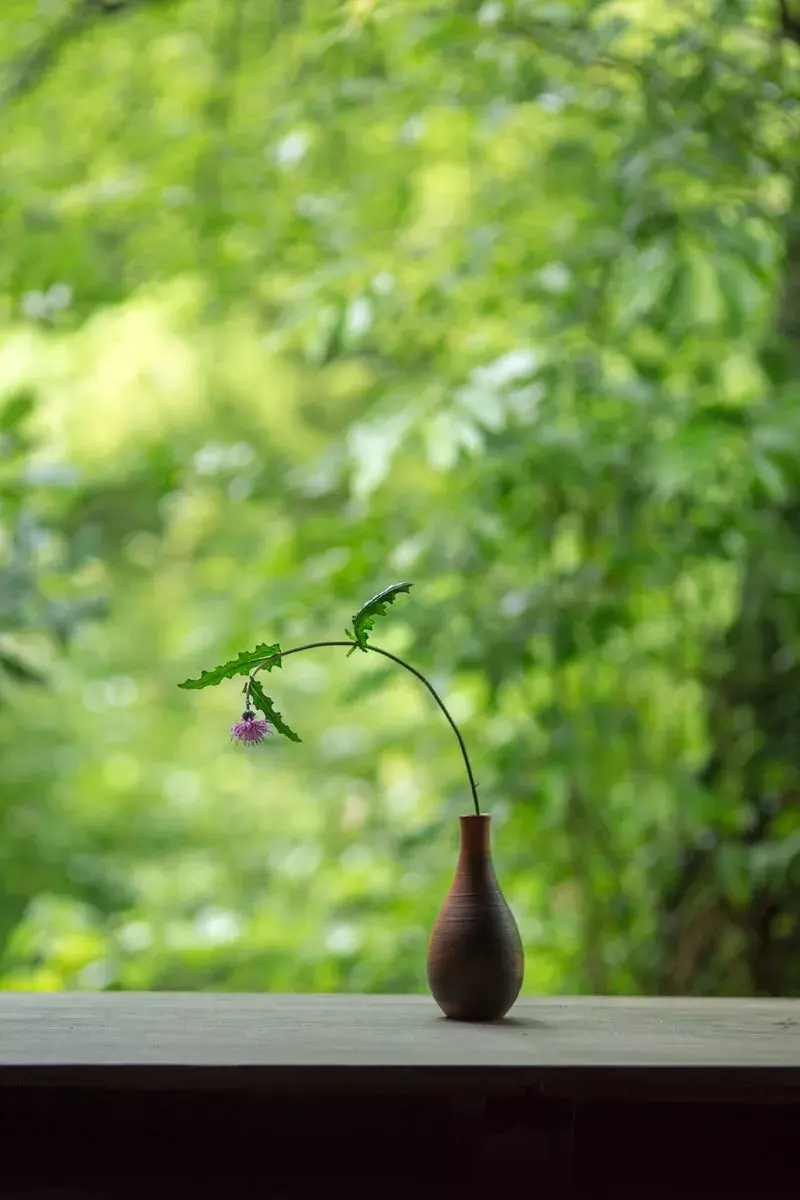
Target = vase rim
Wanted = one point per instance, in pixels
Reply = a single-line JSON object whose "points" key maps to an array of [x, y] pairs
{"points": [[475, 817]]}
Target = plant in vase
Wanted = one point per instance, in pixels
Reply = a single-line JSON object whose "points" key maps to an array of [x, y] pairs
{"points": [[475, 957]]}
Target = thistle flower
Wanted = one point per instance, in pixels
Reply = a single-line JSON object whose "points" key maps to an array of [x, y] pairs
{"points": [[251, 729]]}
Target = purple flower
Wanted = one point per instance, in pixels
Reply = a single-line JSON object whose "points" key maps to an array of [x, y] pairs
{"points": [[251, 729]]}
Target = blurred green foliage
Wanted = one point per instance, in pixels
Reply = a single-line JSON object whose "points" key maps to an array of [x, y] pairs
{"points": [[297, 297]]}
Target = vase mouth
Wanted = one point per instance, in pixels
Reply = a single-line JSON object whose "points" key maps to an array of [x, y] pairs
{"points": [[474, 833]]}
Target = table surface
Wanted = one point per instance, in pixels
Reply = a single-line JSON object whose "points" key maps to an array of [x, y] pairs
{"points": [[73, 1031], [214, 1090]]}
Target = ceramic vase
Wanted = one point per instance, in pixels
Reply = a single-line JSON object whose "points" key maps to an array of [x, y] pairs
{"points": [[475, 955]]}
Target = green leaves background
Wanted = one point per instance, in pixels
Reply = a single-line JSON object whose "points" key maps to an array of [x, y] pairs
{"points": [[500, 296]]}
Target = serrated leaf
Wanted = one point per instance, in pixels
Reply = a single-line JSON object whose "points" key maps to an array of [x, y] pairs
{"points": [[267, 707], [364, 619], [243, 664]]}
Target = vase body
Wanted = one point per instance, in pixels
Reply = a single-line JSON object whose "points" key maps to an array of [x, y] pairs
{"points": [[475, 955]]}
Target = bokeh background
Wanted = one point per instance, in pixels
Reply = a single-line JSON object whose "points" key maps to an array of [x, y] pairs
{"points": [[299, 298]]}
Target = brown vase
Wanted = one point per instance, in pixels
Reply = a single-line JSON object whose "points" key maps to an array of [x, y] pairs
{"points": [[475, 956]]}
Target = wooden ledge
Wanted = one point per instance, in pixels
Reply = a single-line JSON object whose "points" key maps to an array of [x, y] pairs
{"points": [[572, 1047], [202, 1096]]}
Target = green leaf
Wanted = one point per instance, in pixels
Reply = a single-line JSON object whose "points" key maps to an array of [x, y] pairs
{"points": [[267, 707], [643, 279], [364, 619], [16, 669], [243, 664], [16, 409]]}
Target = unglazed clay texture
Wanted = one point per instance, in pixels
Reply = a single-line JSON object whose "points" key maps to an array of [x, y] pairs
{"points": [[475, 955]]}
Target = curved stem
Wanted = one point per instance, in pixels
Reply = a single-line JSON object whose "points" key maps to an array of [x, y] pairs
{"points": [[401, 663]]}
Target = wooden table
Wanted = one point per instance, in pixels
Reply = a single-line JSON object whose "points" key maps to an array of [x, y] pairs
{"points": [[118, 1094]]}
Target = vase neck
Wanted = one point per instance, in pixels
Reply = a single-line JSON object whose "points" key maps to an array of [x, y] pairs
{"points": [[475, 836]]}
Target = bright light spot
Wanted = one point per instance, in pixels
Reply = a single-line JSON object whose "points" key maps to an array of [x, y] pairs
{"points": [[402, 796], [383, 283], [135, 936], [508, 368], [302, 861], [292, 149], [359, 317], [555, 278], [216, 926], [514, 604], [60, 296], [413, 129], [491, 14], [52, 474], [34, 306], [240, 489], [551, 102], [343, 940]]}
